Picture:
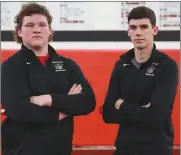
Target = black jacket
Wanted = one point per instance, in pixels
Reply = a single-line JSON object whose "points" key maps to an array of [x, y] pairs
{"points": [[29, 128], [143, 129]]}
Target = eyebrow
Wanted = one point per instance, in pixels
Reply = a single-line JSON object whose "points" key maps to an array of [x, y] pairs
{"points": [[142, 25], [34, 23], [43, 23]]}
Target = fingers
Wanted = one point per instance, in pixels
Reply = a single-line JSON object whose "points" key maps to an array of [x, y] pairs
{"points": [[73, 87], [147, 105], [62, 116], [38, 100], [120, 100], [76, 89], [33, 99], [118, 103]]}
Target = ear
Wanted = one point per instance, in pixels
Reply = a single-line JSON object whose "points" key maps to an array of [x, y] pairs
{"points": [[50, 31], [19, 33], [155, 30], [128, 32]]}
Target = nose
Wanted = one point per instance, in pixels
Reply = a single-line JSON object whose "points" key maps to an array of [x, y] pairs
{"points": [[138, 32], [36, 29]]}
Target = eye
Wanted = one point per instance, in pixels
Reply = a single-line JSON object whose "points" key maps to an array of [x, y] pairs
{"points": [[144, 26], [29, 25], [132, 27], [43, 24]]}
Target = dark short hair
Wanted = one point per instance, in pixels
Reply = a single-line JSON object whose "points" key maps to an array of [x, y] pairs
{"points": [[142, 12], [28, 10]]}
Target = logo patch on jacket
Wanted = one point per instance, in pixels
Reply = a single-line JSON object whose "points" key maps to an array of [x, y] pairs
{"points": [[58, 66], [151, 69]]}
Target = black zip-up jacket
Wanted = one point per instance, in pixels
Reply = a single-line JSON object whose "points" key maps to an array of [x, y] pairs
{"points": [[33, 130], [143, 130]]}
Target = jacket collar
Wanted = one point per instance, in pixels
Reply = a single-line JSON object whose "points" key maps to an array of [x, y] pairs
{"points": [[128, 56], [30, 54]]}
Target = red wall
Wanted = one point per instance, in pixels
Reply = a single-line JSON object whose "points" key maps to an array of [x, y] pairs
{"points": [[97, 66]]}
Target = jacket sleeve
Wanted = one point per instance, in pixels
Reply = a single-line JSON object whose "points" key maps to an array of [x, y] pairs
{"points": [[110, 114], [16, 98], [77, 104], [161, 101]]}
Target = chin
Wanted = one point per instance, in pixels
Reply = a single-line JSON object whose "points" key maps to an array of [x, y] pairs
{"points": [[139, 46], [37, 44]]}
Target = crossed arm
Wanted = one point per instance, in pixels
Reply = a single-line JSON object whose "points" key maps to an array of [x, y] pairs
{"points": [[20, 106], [46, 100], [120, 101], [117, 110]]}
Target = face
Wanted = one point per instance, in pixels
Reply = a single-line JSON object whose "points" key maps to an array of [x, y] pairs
{"points": [[35, 31], [141, 32]]}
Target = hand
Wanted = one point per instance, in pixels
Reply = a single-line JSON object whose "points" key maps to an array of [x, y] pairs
{"points": [[42, 100], [118, 103], [147, 105], [76, 89], [62, 116]]}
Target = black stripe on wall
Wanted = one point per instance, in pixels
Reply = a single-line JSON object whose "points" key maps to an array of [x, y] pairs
{"points": [[98, 36]]}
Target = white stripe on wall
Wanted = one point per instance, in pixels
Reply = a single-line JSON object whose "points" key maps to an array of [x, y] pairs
{"points": [[94, 45]]}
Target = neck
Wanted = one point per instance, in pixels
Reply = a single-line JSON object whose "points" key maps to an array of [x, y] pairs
{"points": [[142, 55], [39, 51]]}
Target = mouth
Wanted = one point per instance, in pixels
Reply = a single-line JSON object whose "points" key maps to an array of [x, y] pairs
{"points": [[139, 39], [36, 37]]}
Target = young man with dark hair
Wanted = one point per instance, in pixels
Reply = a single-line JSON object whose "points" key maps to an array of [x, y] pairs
{"points": [[141, 92], [41, 90]]}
